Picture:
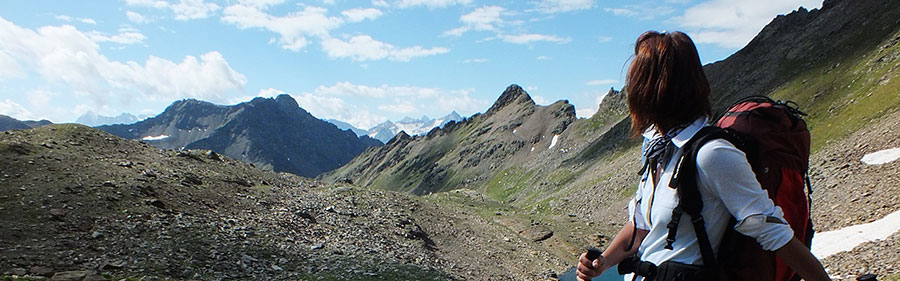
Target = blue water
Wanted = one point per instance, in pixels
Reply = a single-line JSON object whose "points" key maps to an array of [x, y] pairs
{"points": [[611, 274]]}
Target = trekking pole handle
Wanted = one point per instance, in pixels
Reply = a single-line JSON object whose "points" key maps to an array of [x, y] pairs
{"points": [[593, 253]]}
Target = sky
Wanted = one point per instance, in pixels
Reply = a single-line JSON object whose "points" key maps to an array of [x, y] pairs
{"points": [[361, 61]]}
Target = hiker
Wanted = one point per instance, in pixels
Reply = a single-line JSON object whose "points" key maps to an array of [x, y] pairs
{"points": [[668, 98]]}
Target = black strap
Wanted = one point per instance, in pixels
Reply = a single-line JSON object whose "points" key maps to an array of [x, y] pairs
{"points": [[673, 226], [685, 181], [706, 250]]}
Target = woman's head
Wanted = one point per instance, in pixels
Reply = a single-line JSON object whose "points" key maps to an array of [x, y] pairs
{"points": [[666, 85]]}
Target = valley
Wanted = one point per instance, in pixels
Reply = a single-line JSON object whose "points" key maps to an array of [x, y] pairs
{"points": [[263, 190]]}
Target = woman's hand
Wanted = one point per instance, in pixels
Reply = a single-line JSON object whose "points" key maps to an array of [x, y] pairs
{"points": [[588, 269]]}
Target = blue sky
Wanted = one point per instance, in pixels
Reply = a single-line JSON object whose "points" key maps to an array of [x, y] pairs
{"points": [[361, 62]]}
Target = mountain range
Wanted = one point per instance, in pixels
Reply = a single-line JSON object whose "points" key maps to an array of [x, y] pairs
{"points": [[271, 133], [388, 129], [92, 119], [9, 123]]}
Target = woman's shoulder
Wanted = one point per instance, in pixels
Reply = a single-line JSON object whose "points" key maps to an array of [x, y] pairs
{"points": [[719, 153]]}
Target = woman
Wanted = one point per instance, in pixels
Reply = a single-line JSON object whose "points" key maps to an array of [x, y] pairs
{"points": [[668, 96]]}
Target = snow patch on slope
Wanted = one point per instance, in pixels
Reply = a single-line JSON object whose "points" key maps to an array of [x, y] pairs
{"points": [[832, 242], [882, 157]]}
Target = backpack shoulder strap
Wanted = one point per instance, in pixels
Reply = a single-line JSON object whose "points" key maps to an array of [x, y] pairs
{"points": [[685, 181]]}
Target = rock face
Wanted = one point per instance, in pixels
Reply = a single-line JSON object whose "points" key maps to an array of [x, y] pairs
{"points": [[274, 134], [514, 130], [794, 44]]}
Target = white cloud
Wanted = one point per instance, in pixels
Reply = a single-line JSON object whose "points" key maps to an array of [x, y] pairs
{"points": [[601, 82], [365, 48], [383, 91], [487, 18], [604, 39], [136, 17], [456, 31], [350, 103], [531, 38], [589, 111], [14, 110], [476, 60], [358, 15], [621, 11], [431, 4], [9, 68], [733, 23], [263, 93], [409, 53], [484, 18], [209, 78], [647, 11], [560, 6], [401, 107], [586, 112], [126, 36], [540, 100], [43, 100], [40, 97], [543, 58], [327, 107], [297, 28], [262, 4], [380, 3], [184, 9], [270, 92], [293, 28], [462, 102], [74, 19], [69, 58]]}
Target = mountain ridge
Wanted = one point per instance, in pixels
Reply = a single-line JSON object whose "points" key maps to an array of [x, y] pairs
{"points": [[92, 119], [273, 133], [9, 123], [386, 130]]}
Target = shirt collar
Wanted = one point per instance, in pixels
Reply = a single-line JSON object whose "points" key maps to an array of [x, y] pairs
{"points": [[681, 138], [684, 136]]}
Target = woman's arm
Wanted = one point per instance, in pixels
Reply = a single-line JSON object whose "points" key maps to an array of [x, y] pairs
{"points": [[798, 257], [725, 169], [613, 254]]}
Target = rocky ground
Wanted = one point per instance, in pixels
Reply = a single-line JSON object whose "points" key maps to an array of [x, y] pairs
{"points": [[849, 192], [79, 202]]}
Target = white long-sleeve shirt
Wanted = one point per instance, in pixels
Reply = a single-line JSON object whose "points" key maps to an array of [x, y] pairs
{"points": [[727, 186]]}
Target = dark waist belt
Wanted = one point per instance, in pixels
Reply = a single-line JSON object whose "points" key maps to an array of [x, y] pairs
{"points": [[666, 271]]}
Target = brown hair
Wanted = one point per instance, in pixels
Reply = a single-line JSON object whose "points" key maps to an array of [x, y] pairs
{"points": [[665, 83]]}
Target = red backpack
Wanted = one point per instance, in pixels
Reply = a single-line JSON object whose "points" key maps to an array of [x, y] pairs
{"points": [[776, 141]]}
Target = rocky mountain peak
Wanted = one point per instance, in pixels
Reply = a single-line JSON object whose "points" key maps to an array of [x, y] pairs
{"points": [[514, 94], [402, 136], [189, 105], [285, 100], [614, 101]]}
